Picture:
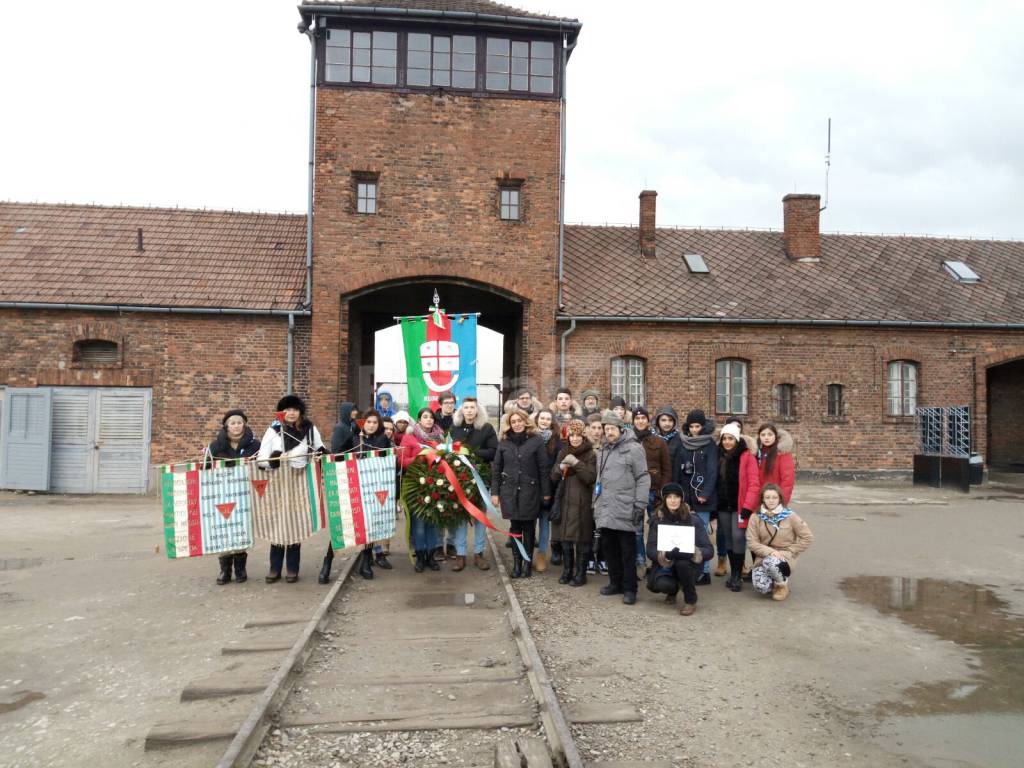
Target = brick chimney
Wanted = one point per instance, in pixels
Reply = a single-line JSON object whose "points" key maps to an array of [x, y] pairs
{"points": [[801, 233], [648, 204]]}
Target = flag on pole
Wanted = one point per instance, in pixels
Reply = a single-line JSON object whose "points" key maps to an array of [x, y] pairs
{"points": [[440, 356]]}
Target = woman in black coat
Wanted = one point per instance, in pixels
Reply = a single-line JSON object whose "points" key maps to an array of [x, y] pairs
{"points": [[234, 441], [520, 482], [698, 472]]}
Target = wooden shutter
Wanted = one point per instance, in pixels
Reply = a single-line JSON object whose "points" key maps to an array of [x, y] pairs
{"points": [[72, 459], [123, 440], [25, 463]]}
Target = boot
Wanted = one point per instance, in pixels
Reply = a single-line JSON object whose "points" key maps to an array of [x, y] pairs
{"points": [[567, 563], [365, 569], [517, 564], [421, 561], [581, 566], [720, 568], [381, 561], [325, 570], [460, 563], [240, 574], [225, 569], [432, 562], [558, 552], [480, 561], [540, 562], [735, 580]]}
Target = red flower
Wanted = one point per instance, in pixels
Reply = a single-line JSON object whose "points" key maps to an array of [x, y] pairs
{"points": [[435, 495]]}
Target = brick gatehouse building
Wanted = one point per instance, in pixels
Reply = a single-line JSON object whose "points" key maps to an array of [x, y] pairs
{"points": [[438, 154]]}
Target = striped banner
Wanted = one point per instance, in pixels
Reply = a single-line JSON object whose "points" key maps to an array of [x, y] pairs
{"points": [[206, 511], [287, 504], [360, 497]]}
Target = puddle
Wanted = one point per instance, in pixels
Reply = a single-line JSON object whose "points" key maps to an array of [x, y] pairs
{"points": [[19, 699], [442, 600], [971, 616], [968, 723]]}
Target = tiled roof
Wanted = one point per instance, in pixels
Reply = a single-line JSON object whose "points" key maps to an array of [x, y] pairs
{"points": [[872, 278], [456, 6], [82, 254]]}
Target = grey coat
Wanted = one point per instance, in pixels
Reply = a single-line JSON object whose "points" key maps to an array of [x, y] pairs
{"points": [[625, 484], [520, 479]]}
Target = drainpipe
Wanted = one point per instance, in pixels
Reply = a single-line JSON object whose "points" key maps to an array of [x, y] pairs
{"points": [[291, 351], [565, 336], [566, 50], [311, 32]]}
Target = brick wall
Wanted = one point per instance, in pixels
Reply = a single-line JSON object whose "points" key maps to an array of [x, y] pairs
{"points": [[680, 370], [439, 160], [199, 366]]}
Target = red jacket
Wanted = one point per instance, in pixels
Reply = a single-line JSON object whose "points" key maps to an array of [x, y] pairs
{"points": [[782, 475], [750, 483]]}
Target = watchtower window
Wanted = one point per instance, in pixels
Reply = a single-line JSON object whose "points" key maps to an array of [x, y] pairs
{"points": [[440, 60], [362, 57], [514, 65]]}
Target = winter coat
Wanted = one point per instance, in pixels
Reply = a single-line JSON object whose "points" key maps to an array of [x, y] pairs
{"points": [[519, 478], [702, 452], [442, 421], [576, 495], [480, 435], [221, 448], [783, 474], [791, 538], [656, 451], [575, 412], [344, 434], [412, 443], [625, 485], [671, 438], [378, 441], [748, 495], [701, 540], [386, 413], [298, 446]]}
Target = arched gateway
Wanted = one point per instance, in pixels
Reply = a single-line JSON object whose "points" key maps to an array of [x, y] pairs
{"points": [[437, 165]]}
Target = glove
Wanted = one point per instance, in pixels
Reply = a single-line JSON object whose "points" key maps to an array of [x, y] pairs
{"points": [[638, 516], [697, 558], [570, 460], [274, 464], [745, 514]]}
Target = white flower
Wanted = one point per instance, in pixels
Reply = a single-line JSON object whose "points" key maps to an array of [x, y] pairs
{"points": [[426, 499], [451, 487], [423, 481], [458, 463], [440, 481], [440, 505]]}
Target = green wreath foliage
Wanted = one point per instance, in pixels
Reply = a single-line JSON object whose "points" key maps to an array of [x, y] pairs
{"points": [[428, 493]]}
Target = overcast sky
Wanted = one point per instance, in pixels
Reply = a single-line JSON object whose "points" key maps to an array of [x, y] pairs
{"points": [[720, 107]]}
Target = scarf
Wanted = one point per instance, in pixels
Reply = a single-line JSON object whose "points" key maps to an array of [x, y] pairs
{"points": [[667, 436], [545, 435], [433, 435], [518, 438], [641, 434], [776, 519], [698, 442]]}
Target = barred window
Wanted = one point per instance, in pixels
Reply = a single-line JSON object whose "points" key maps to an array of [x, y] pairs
{"points": [[902, 388], [628, 380], [835, 401], [785, 401], [731, 386]]}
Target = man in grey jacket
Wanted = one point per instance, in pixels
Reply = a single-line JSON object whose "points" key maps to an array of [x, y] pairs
{"points": [[620, 501]]}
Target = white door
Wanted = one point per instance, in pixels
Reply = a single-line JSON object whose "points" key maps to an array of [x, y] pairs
{"points": [[73, 457], [25, 456], [122, 440], [100, 440]]}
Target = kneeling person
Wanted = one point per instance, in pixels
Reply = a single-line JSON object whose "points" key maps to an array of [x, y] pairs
{"points": [[776, 536], [677, 570]]}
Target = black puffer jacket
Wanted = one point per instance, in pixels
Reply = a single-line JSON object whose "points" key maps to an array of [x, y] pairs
{"points": [[700, 455], [480, 435], [520, 478], [221, 447], [343, 438]]}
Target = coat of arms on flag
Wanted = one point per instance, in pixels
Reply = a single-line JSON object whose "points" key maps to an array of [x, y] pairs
{"points": [[440, 356], [360, 497]]}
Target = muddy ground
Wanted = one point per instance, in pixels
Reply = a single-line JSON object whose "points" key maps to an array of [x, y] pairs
{"points": [[901, 643]]}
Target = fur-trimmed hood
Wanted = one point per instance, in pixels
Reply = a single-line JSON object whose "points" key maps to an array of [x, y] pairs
{"points": [[575, 408], [513, 403], [481, 418], [786, 442]]}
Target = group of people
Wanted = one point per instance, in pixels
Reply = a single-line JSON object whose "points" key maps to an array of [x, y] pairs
{"points": [[579, 485]]}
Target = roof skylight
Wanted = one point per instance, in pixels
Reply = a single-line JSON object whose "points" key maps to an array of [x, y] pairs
{"points": [[695, 263], [961, 271]]}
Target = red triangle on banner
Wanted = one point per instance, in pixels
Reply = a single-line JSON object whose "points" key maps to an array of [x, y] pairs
{"points": [[226, 509], [260, 486], [382, 496]]}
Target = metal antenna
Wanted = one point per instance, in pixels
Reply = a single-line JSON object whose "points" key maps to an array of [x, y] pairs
{"points": [[828, 163]]}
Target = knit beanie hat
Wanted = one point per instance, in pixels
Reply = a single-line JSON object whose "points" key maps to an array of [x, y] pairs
{"points": [[590, 393], [291, 401], [641, 411], [234, 412], [675, 488], [594, 417], [610, 417], [696, 416], [732, 428], [402, 416], [617, 401]]}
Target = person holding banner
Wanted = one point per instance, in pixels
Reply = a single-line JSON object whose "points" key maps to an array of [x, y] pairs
{"points": [[234, 441], [677, 567], [520, 483], [471, 428], [292, 441], [424, 536]]}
